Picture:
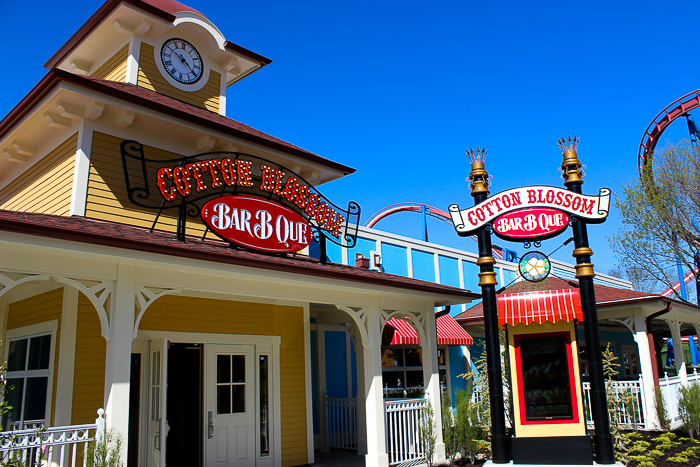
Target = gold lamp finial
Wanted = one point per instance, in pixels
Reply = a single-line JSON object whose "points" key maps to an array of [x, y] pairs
{"points": [[571, 166], [478, 177]]}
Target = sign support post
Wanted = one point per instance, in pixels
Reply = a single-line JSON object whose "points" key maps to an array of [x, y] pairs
{"points": [[571, 168], [487, 281]]}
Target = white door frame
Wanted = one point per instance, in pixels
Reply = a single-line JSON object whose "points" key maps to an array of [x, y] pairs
{"points": [[268, 345]]}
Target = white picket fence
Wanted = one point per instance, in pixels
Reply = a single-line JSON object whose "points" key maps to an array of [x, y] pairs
{"points": [[670, 388], [57, 446], [630, 395], [341, 423], [402, 419]]}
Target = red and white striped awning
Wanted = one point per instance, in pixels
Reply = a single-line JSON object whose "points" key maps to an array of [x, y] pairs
{"points": [[538, 307], [448, 331]]}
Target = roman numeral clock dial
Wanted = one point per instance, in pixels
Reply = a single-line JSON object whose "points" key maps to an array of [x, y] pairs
{"points": [[182, 61]]}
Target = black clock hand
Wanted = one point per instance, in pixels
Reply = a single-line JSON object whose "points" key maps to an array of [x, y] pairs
{"points": [[182, 59]]}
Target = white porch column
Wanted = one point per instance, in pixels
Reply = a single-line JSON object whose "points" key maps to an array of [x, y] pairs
{"points": [[374, 395], [118, 365], [361, 416], [645, 363], [66, 357], [678, 355], [431, 377]]}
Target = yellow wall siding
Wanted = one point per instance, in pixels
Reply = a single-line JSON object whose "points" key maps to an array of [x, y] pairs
{"points": [[46, 187], [151, 78], [114, 69], [39, 309], [217, 316], [90, 357], [106, 193]]}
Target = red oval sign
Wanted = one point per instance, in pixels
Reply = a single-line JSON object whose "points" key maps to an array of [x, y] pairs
{"points": [[531, 223], [257, 224]]}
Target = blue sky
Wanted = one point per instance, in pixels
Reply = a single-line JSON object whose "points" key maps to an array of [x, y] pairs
{"points": [[399, 90]]}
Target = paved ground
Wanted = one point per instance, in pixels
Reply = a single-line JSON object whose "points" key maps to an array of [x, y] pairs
{"points": [[338, 458]]}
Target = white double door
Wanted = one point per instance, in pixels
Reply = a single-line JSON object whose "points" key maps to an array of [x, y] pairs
{"points": [[231, 386]]}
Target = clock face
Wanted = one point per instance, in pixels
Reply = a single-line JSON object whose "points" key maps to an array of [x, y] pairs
{"points": [[182, 61], [534, 266]]}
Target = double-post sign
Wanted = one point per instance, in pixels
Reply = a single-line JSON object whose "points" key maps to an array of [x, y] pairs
{"points": [[547, 404]]}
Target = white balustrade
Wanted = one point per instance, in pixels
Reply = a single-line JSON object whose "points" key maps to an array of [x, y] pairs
{"points": [[403, 432], [341, 423], [630, 395], [670, 388], [55, 446]]}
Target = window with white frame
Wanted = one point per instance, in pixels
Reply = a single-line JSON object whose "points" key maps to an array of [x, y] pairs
{"points": [[402, 371], [28, 377]]}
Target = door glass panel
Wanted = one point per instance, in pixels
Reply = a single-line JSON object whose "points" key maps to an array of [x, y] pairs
{"points": [[155, 387], [238, 396], [39, 352], [264, 408], [223, 368], [238, 368], [35, 398], [223, 399], [17, 358]]}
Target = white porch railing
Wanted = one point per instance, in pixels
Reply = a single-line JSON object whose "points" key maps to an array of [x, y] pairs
{"points": [[341, 423], [670, 388], [402, 417], [630, 395], [56, 446]]}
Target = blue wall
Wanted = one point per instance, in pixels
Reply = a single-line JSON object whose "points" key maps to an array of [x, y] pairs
{"points": [[449, 270], [336, 365], [394, 259], [423, 265], [363, 246], [456, 364]]}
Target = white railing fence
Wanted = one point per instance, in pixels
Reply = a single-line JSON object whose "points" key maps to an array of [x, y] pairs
{"points": [[631, 399], [670, 388], [57, 446], [341, 423], [402, 418]]}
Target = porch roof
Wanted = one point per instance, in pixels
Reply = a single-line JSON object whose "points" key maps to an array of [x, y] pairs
{"points": [[91, 231], [606, 296]]}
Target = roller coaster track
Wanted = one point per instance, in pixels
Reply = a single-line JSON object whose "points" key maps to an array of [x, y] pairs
{"points": [[678, 108], [437, 213], [652, 135]]}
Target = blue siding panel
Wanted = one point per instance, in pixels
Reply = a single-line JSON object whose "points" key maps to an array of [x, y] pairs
{"points": [[395, 259], [449, 271], [423, 265], [314, 377], [456, 363], [471, 276], [336, 368], [363, 246]]}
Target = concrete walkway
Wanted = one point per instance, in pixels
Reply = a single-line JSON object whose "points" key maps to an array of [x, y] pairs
{"points": [[338, 458]]}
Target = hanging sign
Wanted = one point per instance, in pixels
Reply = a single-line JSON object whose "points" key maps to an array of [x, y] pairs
{"points": [[593, 209], [531, 224], [256, 223], [246, 185]]}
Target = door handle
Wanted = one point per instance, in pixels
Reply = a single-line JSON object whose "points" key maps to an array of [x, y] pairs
{"points": [[156, 438], [210, 425]]}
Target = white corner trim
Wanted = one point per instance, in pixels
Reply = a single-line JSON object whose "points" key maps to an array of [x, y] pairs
{"points": [[81, 171]]}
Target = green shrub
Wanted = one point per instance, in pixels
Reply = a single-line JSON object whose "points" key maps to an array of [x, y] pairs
{"points": [[678, 459], [106, 453], [636, 450], [689, 408], [655, 454], [646, 464], [639, 458], [664, 447], [642, 443], [689, 441], [690, 452], [634, 435]]}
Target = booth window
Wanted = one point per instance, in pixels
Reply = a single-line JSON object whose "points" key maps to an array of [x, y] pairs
{"points": [[402, 371], [28, 368]]}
